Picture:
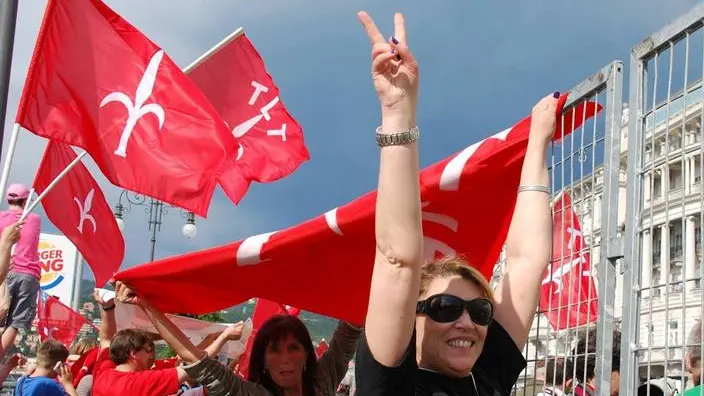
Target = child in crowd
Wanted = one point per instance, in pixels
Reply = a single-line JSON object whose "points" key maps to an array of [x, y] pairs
{"points": [[50, 366]]}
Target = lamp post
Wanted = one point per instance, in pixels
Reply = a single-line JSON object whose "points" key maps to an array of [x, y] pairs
{"points": [[155, 209]]}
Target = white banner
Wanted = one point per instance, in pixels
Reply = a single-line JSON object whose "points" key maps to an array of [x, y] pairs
{"points": [[58, 260], [130, 317]]}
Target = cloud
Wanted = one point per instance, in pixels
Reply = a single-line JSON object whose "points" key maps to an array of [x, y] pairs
{"points": [[483, 66]]}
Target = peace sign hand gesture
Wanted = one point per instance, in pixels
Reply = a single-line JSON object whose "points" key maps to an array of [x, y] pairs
{"points": [[394, 69]]}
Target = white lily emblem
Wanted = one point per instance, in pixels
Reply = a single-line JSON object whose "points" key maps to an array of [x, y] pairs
{"points": [[138, 109], [558, 275], [84, 211]]}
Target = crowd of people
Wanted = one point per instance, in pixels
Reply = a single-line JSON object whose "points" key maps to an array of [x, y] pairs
{"points": [[433, 328]]}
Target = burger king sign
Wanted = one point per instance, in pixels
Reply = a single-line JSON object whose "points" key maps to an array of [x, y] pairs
{"points": [[58, 257]]}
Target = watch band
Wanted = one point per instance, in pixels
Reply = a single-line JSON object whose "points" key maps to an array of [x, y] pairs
{"points": [[396, 139]]}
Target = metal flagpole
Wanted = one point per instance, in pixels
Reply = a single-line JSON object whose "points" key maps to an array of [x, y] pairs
{"points": [[77, 282], [8, 20], [9, 155], [238, 32], [53, 184]]}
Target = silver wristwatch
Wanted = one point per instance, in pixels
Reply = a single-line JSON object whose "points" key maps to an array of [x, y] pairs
{"points": [[396, 139]]}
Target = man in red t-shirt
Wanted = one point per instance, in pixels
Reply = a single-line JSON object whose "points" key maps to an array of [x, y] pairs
{"points": [[124, 362]]}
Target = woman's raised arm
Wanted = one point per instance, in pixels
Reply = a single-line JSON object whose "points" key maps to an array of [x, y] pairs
{"points": [[399, 237]]}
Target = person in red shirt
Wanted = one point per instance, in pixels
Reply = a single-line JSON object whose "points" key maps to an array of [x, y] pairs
{"points": [[124, 362], [126, 371]]}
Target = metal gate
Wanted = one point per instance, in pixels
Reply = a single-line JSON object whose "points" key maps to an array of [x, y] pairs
{"points": [[634, 174], [585, 167], [662, 265]]}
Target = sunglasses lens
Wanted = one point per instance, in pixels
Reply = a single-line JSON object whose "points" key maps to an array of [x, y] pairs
{"points": [[481, 311], [445, 309]]}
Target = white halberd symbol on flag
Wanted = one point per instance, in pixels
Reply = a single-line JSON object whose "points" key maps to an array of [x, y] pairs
{"points": [[241, 129], [558, 275], [84, 211], [138, 109]]}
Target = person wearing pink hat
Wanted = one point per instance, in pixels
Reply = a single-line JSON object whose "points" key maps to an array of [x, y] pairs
{"points": [[23, 278]]}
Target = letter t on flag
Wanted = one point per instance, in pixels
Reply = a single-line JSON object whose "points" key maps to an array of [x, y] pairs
{"points": [[78, 208]]}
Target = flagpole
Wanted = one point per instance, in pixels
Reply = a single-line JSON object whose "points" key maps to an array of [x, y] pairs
{"points": [[78, 276], [213, 50], [9, 155], [8, 20], [29, 200], [53, 184]]}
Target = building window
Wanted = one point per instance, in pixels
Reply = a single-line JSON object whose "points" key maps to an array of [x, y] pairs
{"points": [[697, 170], [655, 280], [651, 334], [675, 173], [657, 186], [676, 284], [676, 249], [656, 247], [673, 333], [698, 239]]}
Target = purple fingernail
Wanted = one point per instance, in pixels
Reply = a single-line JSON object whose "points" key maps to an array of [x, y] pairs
{"points": [[393, 40], [393, 51], [556, 95]]}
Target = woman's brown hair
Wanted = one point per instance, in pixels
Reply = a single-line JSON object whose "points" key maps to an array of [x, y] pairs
{"points": [[453, 266]]}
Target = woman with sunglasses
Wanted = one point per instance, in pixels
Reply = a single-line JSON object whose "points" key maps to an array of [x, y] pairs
{"points": [[438, 329]]}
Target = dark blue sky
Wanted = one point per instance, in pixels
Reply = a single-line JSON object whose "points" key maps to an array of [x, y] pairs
{"points": [[483, 66]]}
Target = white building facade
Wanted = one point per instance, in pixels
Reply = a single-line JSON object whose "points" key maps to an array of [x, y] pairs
{"points": [[671, 243]]}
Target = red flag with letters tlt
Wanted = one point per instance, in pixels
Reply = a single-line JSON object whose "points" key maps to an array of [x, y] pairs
{"points": [[568, 295], [98, 83], [77, 207], [57, 321], [271, 146]]}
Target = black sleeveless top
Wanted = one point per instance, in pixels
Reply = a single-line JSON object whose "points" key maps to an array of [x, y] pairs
{"points": [[494, 373]]}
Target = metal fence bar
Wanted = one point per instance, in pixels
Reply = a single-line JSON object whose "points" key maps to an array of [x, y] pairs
{"points": [[641, 226], [611, 244], [591, 186]]}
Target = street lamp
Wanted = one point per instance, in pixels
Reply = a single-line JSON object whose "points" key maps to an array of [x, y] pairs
{"points": [[155, 209]]}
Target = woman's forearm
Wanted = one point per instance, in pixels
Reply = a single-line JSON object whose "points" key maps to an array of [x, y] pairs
{"points": [[172, 335]]}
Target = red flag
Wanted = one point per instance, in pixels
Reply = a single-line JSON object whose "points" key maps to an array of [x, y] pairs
{"points": [[325, 264], [84, 365], [98, 83], [262, 312], [161, 364], [76, 206], [322, 347], [56, 320], [568, 295], [271, 146]]}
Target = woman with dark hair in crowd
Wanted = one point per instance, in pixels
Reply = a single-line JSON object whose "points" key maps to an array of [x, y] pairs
{"points": [[439, 329], [282, 361], [303, 361]]}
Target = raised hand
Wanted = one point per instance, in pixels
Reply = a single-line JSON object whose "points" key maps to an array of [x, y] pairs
{"points": [[65, 376], [234, 332], [11, 233], [394, 69], [99, 300], [125, 295], [544, 118]]}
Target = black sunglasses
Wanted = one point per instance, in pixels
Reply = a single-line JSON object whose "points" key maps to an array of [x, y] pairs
{"points": [[446, 308]]}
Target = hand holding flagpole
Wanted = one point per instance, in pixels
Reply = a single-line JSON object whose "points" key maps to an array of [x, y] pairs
{"points": [[51, 185]]}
